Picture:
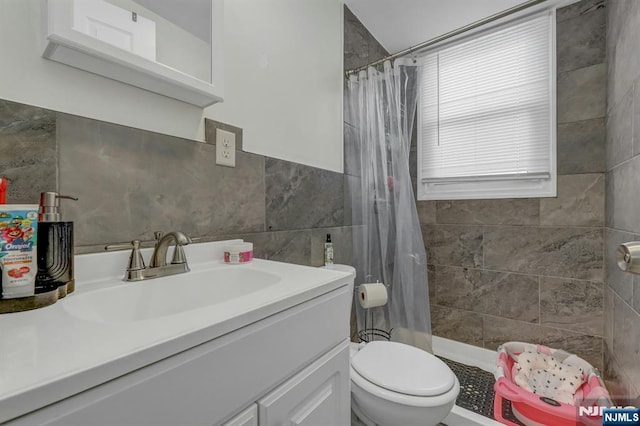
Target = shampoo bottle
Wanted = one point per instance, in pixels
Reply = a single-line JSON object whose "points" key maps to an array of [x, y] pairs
{"points": [[55, 247], [328, 251]]}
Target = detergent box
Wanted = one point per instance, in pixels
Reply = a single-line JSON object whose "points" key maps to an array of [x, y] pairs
{"points": [[18, 256]]}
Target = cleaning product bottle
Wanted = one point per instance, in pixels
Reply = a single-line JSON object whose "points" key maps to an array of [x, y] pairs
{"points": [[18, 247], [328, 251], [55, 247]]}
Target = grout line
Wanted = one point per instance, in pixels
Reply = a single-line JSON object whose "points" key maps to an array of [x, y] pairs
{"points": [[506, 225], [633, 115], [517, 273], [581, 333], [539, 301]]}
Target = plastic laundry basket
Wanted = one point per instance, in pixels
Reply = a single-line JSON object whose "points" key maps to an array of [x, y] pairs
{"points": [[534, 410]]}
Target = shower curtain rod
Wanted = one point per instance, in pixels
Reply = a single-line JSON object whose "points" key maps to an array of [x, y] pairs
{"points": [[448, 35]]}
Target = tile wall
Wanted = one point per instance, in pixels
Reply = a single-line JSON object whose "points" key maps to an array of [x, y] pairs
{"points": [[622, 290], [131, 183], [533, 269], [527, 269]]}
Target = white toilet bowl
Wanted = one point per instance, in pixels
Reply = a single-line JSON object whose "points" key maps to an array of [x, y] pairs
{"points": [[396, 384], [393, 384]]}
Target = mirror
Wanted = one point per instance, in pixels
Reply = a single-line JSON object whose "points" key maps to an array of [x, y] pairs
{"points": [[165, 46], [182, 31]]}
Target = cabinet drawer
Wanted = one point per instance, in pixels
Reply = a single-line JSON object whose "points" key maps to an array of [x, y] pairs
{"points": [[317, 396], [248, 417]]}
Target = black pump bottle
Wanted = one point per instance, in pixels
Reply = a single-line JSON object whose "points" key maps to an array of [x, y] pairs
{"points": [[55, 247]]}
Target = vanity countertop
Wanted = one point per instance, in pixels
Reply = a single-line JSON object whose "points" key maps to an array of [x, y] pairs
{"points": [[58, 351]]}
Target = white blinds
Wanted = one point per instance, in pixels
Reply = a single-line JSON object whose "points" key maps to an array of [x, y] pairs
{"points": [[486, 106]]}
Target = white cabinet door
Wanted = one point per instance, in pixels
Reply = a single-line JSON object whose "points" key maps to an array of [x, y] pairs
{"points": [[248, 417], [317, 396]]}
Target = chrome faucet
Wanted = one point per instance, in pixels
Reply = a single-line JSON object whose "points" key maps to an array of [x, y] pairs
{"points": [[158, 267]]}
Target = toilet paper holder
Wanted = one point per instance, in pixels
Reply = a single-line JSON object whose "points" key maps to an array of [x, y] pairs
{"points": [[370, 333], [628, 257]]}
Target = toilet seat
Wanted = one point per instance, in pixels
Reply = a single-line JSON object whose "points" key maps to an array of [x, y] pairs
{"points": [[401, 372]]}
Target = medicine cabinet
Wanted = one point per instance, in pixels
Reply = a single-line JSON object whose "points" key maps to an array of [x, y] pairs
{"points": [[173, 48]]}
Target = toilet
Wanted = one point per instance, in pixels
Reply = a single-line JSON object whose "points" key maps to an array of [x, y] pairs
{"points": [[396, 384]]}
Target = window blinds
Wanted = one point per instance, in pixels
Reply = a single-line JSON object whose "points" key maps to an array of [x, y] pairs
{"points": [[486, 106]]}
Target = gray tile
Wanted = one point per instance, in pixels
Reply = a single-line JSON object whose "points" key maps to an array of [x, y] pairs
{"points": [[210, 127], [636, 118], [413, 165], [609, 200], [626, 340], [496, 293], [623, 35], [621, 282], [581, 147], [132, 182], [572, 305], [581, 94], [454, 245], [431, 281], [500, 330], [635, 303], [360, 47], [454, 324], [377, 51], [353, 200], [281, 246], [560, 252], [300, 197], [618, 336], [426, 212], [348, 199], [623, 199], [609, 297], [617, 14], [580, 202], [27, 151], [580, 8], [620, 389], [351, 150], [581, 41], [514, 211], [356, 42], [620, 132], [342, 239]]}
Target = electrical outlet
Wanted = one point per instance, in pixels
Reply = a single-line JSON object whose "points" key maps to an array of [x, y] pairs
{"points": [[225, 148]]}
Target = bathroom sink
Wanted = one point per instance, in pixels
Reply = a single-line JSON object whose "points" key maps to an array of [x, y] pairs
{"points": [[161, 297]]}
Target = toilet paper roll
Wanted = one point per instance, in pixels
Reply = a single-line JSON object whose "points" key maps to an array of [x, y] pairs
{"points": [[628, 257], [372, 295]]}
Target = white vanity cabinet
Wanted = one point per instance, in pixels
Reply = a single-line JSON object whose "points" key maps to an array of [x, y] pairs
{"points": [[317, 396], [288, 368], [248, 417]]}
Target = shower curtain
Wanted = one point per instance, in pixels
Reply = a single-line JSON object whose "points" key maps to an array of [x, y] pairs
{"points": [[380, 107]]}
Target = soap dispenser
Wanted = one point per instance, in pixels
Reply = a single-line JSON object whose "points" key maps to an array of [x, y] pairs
{"points": [[55, 247]]}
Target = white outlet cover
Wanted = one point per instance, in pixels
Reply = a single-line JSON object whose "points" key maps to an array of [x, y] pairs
{"points": [[225, 148]]}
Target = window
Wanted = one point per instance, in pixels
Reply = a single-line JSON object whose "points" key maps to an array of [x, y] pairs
{"points": [[486, 125]]}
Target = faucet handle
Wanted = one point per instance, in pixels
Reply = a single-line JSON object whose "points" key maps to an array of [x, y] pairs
{"points": [[178, 255], [136, 261]]}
